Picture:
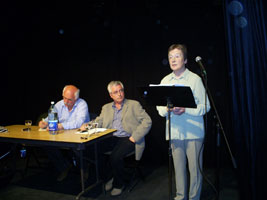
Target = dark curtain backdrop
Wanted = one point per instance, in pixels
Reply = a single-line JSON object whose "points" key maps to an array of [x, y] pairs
{"points": [[45, 46], [247, 52]]}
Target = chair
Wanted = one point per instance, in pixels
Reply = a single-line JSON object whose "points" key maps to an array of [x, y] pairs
{"points": [[137, 174], [7, 163], [93, 115]]}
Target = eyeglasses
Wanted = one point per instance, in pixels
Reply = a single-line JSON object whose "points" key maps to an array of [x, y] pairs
{"points": [[118, 91]]}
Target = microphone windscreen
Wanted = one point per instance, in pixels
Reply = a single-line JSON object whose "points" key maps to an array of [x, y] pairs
{"points": [[198, 58]]}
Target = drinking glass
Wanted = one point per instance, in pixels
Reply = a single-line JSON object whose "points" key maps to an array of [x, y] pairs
{"points": [[28, 123], [92, 125]]}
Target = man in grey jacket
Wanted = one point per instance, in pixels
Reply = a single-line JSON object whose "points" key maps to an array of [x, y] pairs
{"points": [[132, 123]]}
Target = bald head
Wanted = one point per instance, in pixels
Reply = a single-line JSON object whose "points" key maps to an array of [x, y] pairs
{"points": [[71, 89], [70, 95]]}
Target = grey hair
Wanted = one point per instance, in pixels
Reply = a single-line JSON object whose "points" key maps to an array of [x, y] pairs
{"points": [[76, 94], [114, 83]]}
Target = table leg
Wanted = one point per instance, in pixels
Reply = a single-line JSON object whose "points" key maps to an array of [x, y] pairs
{"points": [[98, 181], [82, 169], [96, 164], [82, 178]]}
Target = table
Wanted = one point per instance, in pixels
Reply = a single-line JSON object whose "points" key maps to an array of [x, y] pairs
{"points": [[64, 138]]}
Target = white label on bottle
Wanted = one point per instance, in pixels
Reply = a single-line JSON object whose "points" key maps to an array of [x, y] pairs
{"points": [[52, 125]]}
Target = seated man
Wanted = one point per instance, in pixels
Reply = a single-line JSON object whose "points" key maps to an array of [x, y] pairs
{"points": [[72, 113], [132, 124], [72, 110]]}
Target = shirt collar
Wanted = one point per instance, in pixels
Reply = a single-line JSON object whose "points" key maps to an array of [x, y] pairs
{"points": [[113, 105], [183, 76]]}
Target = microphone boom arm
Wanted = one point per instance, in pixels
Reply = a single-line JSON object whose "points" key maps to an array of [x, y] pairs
{"points": [[204, 76]]}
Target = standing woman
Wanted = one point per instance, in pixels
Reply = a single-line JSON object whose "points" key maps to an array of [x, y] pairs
{"points": [[187, 126]]}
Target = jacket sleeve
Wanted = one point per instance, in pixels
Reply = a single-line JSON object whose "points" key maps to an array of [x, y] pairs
{"points": [[144, 123]]}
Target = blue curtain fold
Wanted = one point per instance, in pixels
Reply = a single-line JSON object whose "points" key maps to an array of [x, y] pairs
{"points": [[247, 58]]}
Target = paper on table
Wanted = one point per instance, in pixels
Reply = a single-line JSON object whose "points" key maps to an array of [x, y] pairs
{"points": [[42, 129], [92, 131]]}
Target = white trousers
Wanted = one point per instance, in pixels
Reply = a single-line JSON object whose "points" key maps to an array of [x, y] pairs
{"points": [[187, 152]]}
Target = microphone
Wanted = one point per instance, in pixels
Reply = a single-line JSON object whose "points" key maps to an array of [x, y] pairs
{"points": [[198, 60]]}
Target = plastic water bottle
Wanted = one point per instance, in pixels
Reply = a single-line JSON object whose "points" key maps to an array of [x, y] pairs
{"points": [[52, 119]]}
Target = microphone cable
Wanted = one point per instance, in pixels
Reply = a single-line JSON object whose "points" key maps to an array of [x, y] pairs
{"points": [[205, 79]]}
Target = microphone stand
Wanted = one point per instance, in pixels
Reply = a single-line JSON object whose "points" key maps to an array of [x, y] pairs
{"points": [[218, 145], [170, 105], [219, 127], [172, 96]]}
